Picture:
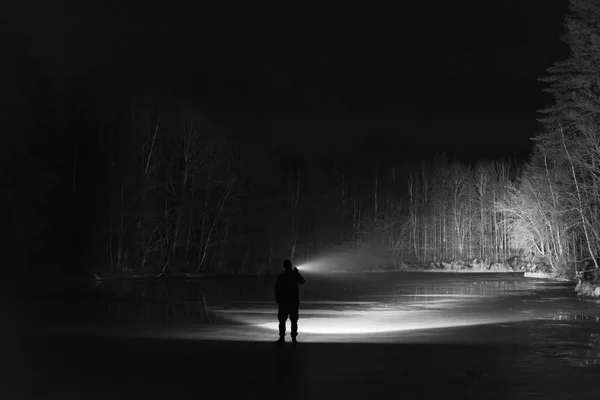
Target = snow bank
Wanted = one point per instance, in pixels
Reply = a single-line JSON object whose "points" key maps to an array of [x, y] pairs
{"points": [[587, 289], [546, 275]]}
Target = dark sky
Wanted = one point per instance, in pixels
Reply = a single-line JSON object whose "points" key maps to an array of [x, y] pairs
{"points": [[459, 77]]}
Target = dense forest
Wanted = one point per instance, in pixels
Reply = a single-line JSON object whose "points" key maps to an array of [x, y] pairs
{"points": [[156, 184]]}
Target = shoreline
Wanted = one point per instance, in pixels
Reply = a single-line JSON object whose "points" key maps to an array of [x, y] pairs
{"points": [[139, 277]]}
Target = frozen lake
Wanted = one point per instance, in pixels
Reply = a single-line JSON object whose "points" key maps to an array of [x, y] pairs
{"points": [[486, 335]]}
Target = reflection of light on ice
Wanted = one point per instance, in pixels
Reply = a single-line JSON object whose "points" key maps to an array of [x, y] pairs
{"points": [[376, 323], [373, 318], [367, 325], [340, 325], [377, 317]]}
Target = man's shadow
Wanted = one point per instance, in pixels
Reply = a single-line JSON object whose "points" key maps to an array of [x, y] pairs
{"points": [[288, 364]]}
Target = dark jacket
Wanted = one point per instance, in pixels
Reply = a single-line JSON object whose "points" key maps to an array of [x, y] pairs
{"points": [[286, 288]]}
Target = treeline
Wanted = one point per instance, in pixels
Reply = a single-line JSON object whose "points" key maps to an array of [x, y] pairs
{"points": [[447, 211], [180, 194], [172, 178]]}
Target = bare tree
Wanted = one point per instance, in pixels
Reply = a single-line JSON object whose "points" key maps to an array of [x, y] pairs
{"points": [[459, 176], [580, 204], [482, 185]]}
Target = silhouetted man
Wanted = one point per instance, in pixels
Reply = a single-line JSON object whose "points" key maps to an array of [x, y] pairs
{"points": [[287, 297]]}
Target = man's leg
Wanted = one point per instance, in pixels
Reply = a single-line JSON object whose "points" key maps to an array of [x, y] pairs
{"points": [[282, 316], [294, 315]]}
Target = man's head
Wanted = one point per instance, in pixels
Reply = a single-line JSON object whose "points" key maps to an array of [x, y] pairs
{"points": [[287, 265]]}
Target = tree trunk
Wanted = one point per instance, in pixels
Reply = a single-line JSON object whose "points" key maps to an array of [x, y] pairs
{"points": [[580, 209]]}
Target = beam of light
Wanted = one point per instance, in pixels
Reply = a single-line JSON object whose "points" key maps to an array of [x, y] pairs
{"points": [[331, 263], [311, 267], [342, 260]]}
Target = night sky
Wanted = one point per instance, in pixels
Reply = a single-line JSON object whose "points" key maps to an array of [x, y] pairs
{"points": [[451, 77]]}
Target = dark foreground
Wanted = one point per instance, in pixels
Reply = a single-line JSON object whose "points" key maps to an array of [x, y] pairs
{"points": [[102, 368], [64, 351]]}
